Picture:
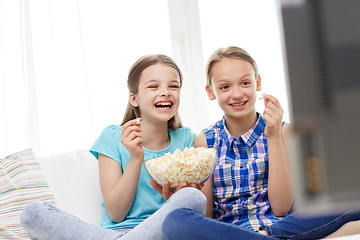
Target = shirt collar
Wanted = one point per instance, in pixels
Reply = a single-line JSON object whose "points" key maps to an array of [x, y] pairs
{"points": [[249, 138], [225, 134]]}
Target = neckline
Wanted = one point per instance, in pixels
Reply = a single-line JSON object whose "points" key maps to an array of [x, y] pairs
{"points": [[164, 149]]}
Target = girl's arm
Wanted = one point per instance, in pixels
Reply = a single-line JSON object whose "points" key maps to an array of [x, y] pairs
{"points": [[118, 188], [280, 189], [207, 189]]}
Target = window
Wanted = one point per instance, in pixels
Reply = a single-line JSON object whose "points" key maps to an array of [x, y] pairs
{"points": [[64, 64]]}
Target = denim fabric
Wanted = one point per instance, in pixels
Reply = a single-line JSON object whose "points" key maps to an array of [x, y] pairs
{"points": [[186, 224], [43, 221], [296, 227]]}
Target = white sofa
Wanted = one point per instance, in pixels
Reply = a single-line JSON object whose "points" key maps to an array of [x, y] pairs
{"points": [[73, 180]]}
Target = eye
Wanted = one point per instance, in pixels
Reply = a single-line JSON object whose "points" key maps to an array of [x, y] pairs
{"points": [[174, 86], [153, 86], [246, 82], [224, 87]]}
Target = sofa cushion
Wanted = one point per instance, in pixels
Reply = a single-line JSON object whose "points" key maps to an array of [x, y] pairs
{"points": [[21, 181], [73, 178]]}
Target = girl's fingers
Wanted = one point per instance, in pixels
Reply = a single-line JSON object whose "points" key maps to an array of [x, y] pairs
{"points": [[130, 135], [138, 141], [156, 186], [134, 143], [129, 126], [272, 114], [182, 185], [130, 131], [269, 98], [130, 123], [166, 190], [272, 109], [133, 122], [133, 135]]}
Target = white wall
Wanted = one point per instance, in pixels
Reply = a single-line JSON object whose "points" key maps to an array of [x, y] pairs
{"points": [[64, 64]]}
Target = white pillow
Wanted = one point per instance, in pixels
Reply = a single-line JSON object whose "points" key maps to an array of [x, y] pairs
{"points": [[74, 180], [21, 181]]}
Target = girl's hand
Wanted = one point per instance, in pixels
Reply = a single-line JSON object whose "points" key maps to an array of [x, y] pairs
{"points": [[132, 140], [272, 115], [167, 192]]}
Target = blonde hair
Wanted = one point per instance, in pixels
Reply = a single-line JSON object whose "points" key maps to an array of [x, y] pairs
{"points": [[133, 85], [228, 52]]}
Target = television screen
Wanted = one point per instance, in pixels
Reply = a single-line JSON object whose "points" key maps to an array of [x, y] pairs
{"points": [[321, 40]]}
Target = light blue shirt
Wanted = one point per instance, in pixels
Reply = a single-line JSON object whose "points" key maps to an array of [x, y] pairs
{"points": [[147, 200]]}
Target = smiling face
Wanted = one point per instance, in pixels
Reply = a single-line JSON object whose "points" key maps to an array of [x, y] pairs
{"points": [[158, 93], [234, 86]]}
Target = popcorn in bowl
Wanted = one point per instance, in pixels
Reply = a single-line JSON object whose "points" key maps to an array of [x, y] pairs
{"points": [[193, 166]]}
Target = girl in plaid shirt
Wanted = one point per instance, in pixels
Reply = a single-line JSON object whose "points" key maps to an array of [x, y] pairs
{"points": [[251, 186], [251, 183]]}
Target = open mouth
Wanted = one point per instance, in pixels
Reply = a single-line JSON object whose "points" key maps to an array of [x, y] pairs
{"points": [[163, 105], [237, 104]]}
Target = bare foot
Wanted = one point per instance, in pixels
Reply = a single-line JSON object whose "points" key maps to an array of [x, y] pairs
{"points": [[349, 228], [263, 232]]}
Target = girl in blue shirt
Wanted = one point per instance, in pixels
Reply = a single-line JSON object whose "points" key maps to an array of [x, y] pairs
{"points": [[133, 209]]}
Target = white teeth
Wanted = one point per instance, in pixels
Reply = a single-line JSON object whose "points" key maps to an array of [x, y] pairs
{"points": [[163, 104], [238, 104]]}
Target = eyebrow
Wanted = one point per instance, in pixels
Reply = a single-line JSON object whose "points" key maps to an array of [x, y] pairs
{"points": [[177, 81], [241, 77], [245, 75], [155, 81]]}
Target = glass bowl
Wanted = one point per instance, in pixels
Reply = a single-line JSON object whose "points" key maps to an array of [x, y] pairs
{"points": [[193, 166]]}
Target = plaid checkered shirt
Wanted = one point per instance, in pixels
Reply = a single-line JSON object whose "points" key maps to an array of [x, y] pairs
{"points": [[241, 176]]}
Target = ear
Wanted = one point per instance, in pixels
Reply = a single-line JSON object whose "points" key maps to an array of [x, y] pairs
{"points": [[210, 93], [132, 99], [258, 83]]}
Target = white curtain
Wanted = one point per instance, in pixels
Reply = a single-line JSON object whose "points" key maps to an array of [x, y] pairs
{"points": [[64, 63]]}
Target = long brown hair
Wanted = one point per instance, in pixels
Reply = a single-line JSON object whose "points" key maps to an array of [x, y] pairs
{"points": [[228, 52], [133, 85]]}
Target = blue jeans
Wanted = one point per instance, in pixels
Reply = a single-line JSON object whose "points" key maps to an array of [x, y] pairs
{"points": [[44, 221], [186, 224]]}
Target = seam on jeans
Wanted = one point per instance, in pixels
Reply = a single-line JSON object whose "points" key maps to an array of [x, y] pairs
{"points": [[315, 229], [268, 230]]}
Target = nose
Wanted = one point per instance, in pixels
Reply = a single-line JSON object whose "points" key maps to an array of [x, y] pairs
{"points": [[237, 93], [164, 92]]}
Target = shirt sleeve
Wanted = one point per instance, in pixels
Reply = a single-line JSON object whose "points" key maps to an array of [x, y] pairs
{"points": [[108, 143], [210, 137]]}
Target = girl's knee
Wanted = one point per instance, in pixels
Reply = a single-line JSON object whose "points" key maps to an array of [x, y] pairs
{"points": [[191, 198], [172, 221], [179, 215], [177, 221], [30, 214]]}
